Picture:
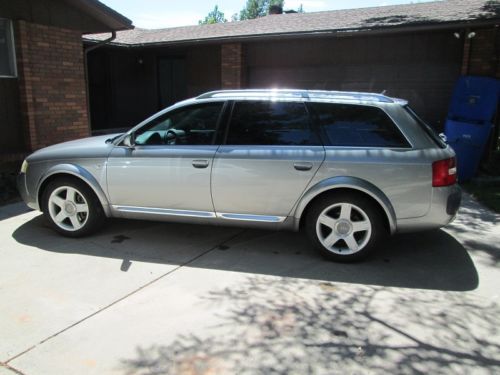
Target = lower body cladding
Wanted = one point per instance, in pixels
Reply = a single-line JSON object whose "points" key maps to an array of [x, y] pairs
{"points": [[203, 217], [445, 203], [443, 210]]}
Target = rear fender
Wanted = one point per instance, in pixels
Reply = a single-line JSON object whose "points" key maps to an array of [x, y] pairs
{"points": [[354, 183]]}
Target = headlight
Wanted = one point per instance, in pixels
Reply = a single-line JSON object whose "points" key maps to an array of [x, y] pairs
{"points": [[24, 167]]}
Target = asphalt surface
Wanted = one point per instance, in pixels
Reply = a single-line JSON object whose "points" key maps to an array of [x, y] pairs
{"points": [[156, 298]]}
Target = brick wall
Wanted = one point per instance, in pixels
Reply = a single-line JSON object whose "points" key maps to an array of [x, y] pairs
{"points": [[232, 66], [484, 59], [52, 84]]}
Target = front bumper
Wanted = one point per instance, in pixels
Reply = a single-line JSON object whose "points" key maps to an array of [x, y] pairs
{"points": [[24, 193]]}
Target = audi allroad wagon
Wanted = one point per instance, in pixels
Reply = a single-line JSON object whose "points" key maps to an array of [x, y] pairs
{"points": [[348, 168]]}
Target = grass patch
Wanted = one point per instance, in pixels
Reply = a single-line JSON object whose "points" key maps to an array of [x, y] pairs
{"points": [[487, 195]]}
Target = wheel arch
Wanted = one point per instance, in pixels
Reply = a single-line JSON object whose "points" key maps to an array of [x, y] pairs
{"points": [[343, 183], [74, 171]]}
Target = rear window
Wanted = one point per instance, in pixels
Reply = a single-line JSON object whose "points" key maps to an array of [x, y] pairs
{"points": [[357, 126], [270, 123]]}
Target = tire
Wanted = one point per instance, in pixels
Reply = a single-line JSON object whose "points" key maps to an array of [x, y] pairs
{"points": [[71, 207], [344, 227]]}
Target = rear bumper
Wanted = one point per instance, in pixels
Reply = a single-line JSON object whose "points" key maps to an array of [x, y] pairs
{"points": [[443, 210]]}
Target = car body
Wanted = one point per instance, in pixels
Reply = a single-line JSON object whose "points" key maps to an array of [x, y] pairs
{"points": [[259, 158]]}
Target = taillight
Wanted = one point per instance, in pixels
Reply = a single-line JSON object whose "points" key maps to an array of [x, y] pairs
{"points": [[444, 172]]}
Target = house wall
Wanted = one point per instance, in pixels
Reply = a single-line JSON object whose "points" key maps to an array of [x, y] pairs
{"points": [[232, 66], [11, 140], [124, 84], [420, 67], [46, 102], [52, 84], [484, 58]]}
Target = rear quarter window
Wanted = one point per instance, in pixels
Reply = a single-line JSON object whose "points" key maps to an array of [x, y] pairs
{"points": [[356, 126], [426, 128]]}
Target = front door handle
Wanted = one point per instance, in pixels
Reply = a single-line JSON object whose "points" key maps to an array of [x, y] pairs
{"points": [[303, 166], [200, 163]]}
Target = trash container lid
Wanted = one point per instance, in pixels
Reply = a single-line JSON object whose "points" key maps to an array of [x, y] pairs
{"points": [[474, 99]]}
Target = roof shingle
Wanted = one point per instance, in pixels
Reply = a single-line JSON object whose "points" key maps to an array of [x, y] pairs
{"points": [[436, 12]]}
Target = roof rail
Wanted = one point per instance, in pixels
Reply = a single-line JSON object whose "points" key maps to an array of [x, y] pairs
{"points": [[304, 94]]}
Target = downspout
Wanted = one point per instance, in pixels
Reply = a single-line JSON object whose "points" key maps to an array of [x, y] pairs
{"points": [[466, 53], [86, 51]]}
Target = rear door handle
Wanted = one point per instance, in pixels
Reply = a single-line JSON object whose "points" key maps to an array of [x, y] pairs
{"points": [[200, 163], [303, 166]]}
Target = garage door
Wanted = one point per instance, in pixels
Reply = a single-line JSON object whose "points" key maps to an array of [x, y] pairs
{"points": [[421, 68]]}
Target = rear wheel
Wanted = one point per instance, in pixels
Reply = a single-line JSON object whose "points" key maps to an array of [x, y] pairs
{"points": [[71, 207], [344, 227]]}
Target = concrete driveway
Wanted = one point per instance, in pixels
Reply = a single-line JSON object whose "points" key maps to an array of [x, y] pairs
{"points": [[156, 298]]}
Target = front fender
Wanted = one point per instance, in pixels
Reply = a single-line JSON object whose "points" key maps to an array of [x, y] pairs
{"points": [[350, 183], [82, 174]]}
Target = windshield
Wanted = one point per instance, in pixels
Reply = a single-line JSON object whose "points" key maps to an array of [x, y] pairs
{"points": [[426, 127]]}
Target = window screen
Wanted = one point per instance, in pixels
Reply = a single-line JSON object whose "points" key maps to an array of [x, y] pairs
{"points": [[270, 123], [357, 126], [7, 60]]}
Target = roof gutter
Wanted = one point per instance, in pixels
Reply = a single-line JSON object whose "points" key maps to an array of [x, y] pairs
{"points": [[101, 43]]}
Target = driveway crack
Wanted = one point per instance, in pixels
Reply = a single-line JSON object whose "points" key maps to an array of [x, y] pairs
{"points": [[14, 370], [5, 364]]}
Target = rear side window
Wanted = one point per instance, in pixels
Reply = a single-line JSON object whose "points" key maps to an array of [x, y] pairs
{"points": [[426, 128], [270, 123], [357, 126]]}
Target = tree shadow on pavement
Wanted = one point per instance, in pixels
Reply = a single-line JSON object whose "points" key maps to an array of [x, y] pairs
{"points": [[477, 228], [291, 326], [431, 260]]}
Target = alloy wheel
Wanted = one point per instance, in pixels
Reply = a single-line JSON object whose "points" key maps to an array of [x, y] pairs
{"points": [[343, 228], [68, 208]]}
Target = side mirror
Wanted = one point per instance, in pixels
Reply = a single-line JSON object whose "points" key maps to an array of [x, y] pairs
{"points": [[129, 141], [443, 137]]}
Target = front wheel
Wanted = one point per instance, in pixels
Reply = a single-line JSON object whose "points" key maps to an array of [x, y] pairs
{"points": [[71, 207], [344, 227]]}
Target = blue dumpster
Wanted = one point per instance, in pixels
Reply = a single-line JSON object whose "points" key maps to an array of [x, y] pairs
{"points": [[469, 123]]}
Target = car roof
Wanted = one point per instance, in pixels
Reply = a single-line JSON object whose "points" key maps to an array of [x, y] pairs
{"points": [[323, 95]]}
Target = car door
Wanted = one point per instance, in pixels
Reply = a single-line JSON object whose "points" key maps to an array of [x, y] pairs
{"points": [[269, 157], [167, 170]]}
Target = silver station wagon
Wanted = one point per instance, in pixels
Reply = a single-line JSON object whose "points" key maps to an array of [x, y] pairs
{"points": [[348, 168]]}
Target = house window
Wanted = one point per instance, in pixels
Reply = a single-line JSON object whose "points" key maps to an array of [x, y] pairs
{"points": [[7, 53]]}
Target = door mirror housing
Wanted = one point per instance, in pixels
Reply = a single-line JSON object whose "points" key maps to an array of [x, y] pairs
{"points": [[129, 140], [443, 137]]}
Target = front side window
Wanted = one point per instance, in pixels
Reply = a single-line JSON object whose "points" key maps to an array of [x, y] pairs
{"points": [[193, 125], [357, 126], [270, 123], [7, 53]]}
